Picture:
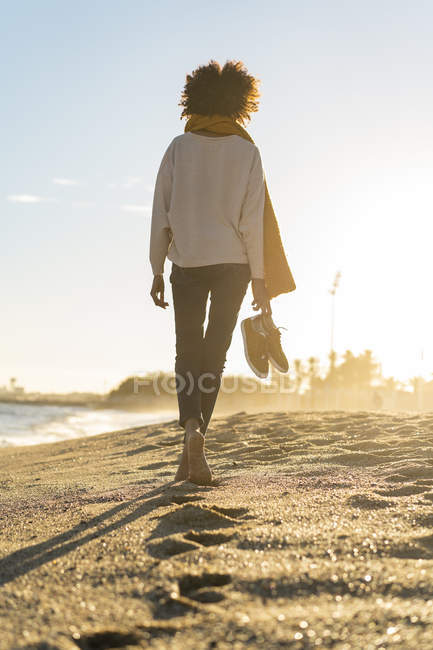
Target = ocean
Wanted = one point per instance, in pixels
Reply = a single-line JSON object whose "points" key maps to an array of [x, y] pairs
{"points": [[31, 424]]}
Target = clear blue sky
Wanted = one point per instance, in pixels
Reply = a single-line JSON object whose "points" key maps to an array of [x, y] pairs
{"points": [[90, 94]]}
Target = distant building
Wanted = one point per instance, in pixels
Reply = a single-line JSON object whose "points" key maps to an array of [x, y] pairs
{"points": [[12, 389]]}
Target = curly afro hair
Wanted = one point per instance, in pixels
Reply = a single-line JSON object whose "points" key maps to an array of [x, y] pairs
{"points": [[229, 90]]}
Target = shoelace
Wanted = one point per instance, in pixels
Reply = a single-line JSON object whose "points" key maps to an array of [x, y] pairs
{"points": [[276, 330], [266, 337]]}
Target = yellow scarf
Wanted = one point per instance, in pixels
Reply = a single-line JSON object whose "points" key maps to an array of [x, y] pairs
{"points": [[278, 277]]}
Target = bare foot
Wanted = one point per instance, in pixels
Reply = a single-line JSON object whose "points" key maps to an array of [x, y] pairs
{"points": [[199, 470], [182, 470], [192, 424]]}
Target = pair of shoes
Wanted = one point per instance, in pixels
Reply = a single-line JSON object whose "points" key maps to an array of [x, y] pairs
{"points": [[262, 344], [193, 464]]}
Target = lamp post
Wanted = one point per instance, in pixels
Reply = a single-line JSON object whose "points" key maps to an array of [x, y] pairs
{"points": [[420, 382], [333, 291]]}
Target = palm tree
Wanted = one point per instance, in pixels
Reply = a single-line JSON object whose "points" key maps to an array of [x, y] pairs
{"points": [[299, 374], [313, 376]]}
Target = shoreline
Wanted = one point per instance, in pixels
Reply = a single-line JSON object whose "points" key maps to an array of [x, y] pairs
{"points": [[50, 402], [120, 405], [41, 424]]}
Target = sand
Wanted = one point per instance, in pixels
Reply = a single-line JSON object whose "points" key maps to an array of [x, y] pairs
{"points": [[317, 534]]}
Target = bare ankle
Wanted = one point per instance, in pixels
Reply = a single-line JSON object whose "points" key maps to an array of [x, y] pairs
{"points": [[192, 424]]}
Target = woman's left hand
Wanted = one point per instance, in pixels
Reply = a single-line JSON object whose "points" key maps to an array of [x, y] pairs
{"points": [[261, 297]]}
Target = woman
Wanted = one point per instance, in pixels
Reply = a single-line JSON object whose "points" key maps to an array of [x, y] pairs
{"points": [[207, 219]]}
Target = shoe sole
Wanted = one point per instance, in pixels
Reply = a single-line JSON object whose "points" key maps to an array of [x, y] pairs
{"points": [[277, 366], [247, 356]]}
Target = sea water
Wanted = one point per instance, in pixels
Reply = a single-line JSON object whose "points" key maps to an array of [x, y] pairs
{"points": [[31, 424]]}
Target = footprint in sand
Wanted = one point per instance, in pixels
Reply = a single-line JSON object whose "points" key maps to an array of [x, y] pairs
{"points": [[191, 592], [169, 547], [367, 503], [197, 587], [193, 540], [168, 604], [205, 538], [198, 517], [105, 640]]}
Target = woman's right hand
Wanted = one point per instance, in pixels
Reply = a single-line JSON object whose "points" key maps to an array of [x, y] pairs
{"points": [[157, 291], [261, 297]]}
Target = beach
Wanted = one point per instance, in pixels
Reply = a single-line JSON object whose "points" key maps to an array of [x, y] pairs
{"points": [[317, 533]]}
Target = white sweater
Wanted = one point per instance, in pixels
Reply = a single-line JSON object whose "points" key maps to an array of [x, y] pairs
{"points": [[210, 193]]}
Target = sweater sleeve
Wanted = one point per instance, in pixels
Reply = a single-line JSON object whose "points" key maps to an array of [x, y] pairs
{"points": [[251, 221], [160, 227]]}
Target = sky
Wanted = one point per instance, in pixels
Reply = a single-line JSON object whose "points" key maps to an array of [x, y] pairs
{"points": [[90, 94]]}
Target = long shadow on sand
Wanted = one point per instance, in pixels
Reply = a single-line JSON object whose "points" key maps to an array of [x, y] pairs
{"points": [[31, 557]]}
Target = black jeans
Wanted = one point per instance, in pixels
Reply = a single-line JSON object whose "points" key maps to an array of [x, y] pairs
{"points": [[201, 357]]}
